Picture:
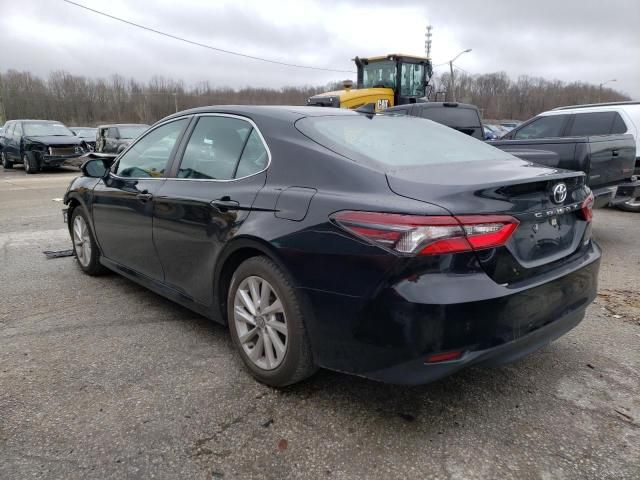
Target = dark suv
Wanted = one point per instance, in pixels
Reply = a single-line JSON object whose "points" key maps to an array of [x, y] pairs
{"points": [[460, 116], [39, 143], [115, 138]]}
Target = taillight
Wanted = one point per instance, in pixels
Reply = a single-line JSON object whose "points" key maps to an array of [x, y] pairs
{"points": [[429, 235], [587, 207]]}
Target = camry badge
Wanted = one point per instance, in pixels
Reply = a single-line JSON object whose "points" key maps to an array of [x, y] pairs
{"points": [[559, 194]]}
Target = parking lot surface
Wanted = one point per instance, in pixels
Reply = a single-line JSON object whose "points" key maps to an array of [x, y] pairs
{"points": [[100, 378]]}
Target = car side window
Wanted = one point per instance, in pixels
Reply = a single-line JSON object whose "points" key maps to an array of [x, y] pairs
{"points": [[112, 133], [594, 123], [17, 131], [254, 156], [543, 127], [618, 124], [149, 156], [214, 148]]}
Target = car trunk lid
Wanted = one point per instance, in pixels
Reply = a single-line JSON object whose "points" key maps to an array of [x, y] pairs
{"points": [[551, 226]]}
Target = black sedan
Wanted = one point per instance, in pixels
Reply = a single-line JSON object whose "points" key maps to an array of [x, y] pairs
{"points": [[384, 246]]}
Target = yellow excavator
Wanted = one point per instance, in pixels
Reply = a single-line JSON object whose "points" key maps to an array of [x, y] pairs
{"points": [[383, 82]]}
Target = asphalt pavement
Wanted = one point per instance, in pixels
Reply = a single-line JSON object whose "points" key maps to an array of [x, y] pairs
{"points": [[102, 379]]}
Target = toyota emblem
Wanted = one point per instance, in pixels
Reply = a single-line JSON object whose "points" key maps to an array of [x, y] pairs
{"points": [[559, 194]]}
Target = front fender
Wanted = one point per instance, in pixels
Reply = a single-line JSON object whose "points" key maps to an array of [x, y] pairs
{"points": [[79, 194]]}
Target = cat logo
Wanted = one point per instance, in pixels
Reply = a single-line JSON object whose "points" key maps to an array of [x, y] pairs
{"points": [[382, 104]]}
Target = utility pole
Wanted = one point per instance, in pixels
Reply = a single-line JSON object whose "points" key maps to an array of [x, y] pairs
{"points": [[452, 86], [453, 92], [600, 88]]}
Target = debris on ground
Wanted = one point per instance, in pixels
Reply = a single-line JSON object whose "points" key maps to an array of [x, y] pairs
{"points": [[621, 304], [58, 253]]}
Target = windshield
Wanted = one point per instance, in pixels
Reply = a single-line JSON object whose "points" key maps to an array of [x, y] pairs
{"points": [[379, 74], [85, 132], [131, 131], [46, 129], [396, 140]]}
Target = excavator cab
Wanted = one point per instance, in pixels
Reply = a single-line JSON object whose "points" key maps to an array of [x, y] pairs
{"points": [[383, 82]]}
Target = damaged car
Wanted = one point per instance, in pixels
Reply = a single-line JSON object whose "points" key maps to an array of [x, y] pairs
{"points": [[37, 144], [115, 138], [87, 135]]}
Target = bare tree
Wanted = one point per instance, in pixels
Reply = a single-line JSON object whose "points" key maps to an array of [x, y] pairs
{"points": [[79, 100]]}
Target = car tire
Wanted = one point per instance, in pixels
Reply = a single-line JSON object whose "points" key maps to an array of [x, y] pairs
{"points": [[30, 164], [6, 164], [630, 206], [85, 248], [274, 329]]}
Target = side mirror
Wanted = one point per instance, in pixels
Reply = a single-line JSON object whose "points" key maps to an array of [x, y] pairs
{"points": [[94, 168]]}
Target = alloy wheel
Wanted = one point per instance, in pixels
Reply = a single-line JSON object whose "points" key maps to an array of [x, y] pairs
{"points": [[82, 241], [260, 322]]}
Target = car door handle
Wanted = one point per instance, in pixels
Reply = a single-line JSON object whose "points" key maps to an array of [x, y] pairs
{"points": [[225, 203], [615, 153], [144, 196]]}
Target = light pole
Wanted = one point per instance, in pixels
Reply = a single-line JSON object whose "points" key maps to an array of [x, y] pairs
{"points": [[453, 92], [600, 88]]}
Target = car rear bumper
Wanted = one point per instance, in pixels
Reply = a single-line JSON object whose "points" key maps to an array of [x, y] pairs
{"points": [[627, 191], [418, 372], [389, 337], [616, 194]]}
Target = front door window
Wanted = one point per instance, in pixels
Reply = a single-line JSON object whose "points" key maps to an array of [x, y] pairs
{"points": [[149, 156]]}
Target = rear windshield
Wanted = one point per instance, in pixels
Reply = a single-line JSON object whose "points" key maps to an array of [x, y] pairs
{"points": [[396, 140], [452, 116]]}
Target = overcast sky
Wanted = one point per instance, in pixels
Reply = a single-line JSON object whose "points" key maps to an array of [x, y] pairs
{"points": [[584, 40]]}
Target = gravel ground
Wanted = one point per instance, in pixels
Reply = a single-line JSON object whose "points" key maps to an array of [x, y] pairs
{"points": [[100, 378]]}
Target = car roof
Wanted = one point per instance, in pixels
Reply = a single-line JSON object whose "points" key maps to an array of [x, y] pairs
{"points": [[35, 120], [435, 105], [119, 125], [280, 112], [618, 106], [592, 105]]}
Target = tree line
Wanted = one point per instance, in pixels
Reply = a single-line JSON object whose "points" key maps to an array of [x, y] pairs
{"points": [[78, 100], [499, 97]]}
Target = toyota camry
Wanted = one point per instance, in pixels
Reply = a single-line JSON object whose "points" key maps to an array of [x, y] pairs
{"points": [[384, 246]]}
